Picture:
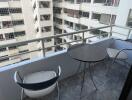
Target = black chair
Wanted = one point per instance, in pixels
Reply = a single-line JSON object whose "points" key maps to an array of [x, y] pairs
{"points": [[119, 54], [38, 84]]}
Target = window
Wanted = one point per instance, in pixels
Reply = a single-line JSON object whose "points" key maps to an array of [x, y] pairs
{"points": [[95, 32], [48, 40], [7, 24], [111, 2], [84, 14], [4, 11], [21, 45], [21, 33], [84, 27], [87, 1], [34, 6], [113, 19], [15, 10], [46, 29], [37, 30], [4, 58], [1, 37], [9, 36], [75, 37], [129, 20], [36, 18], [48, 49], [77, 27], [57, 30], [44, 17], [57, 10], [13, 47], [57, 20], [99, 1], [2, 49], [96, 16], [24, 51], [105, 19], [44, 4], [71, 25], [18, 22]]}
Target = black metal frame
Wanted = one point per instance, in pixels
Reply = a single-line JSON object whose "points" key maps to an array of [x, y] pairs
{"points": [[127, 86], [37, 86]]}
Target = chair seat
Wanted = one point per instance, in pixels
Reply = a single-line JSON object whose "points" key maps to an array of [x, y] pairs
{"points": [[113, 52], [37, 78]]}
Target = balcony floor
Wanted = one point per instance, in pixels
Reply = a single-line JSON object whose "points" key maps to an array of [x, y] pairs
{"points": [[109, 85]]}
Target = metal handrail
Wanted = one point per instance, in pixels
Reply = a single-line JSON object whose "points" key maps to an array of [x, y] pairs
{"points": [[46, 47], [59, 35], [50, 37]]}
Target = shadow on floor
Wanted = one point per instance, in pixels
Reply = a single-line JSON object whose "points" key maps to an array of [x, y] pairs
{"points": [[109, 84]]}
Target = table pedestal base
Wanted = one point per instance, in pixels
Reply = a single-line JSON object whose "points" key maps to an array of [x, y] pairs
{"points": [[83, 76]]}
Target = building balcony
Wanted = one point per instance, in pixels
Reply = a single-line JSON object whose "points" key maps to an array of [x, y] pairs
{"points": [[71, 19], [7, 29], [19, 28], [12, 52], [69, 5], [58, 4], [109, 85], [59, 25], [46, 23], [17, 16], [13, 40], [5, 18], [23, 47], [16, 4], [58, 15], [97, 7], [45, 11], [20, 38], [8, 62], [69, 29]]}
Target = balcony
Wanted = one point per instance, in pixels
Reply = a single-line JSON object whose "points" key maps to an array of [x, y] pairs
{"points": [[71, 18], [108, 86]]}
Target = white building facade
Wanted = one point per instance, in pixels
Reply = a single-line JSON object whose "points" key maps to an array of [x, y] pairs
{"points": [[74, 15], [18, 23]]}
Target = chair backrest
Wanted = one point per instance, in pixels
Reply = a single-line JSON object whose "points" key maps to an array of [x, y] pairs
{"points": [[122, 50], [129, 40], [36, 86]]}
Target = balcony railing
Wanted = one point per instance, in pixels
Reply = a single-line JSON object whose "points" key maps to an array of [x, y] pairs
{"points": [[111, 30]]}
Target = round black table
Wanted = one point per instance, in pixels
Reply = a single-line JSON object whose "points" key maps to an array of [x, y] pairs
{"points": [[87, 53]]}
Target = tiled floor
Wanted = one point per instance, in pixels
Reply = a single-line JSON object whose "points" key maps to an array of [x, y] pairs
{"points": [[109, 85]]}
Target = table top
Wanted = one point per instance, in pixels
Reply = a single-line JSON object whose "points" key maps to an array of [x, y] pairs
{"points": [[88, 52]]}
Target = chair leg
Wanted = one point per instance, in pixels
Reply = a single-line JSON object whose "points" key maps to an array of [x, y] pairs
{"points": [[22, 93], [109, 66], [78, 69], [104, 61], [58, 90], [91, 76]]}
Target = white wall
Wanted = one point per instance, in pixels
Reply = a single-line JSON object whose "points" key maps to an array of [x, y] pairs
{"points": [[123, 12], [29, 25]]}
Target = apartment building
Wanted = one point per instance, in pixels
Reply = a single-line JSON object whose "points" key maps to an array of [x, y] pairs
{"points": [[43, 21], [24, 20], [74, 15]]}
